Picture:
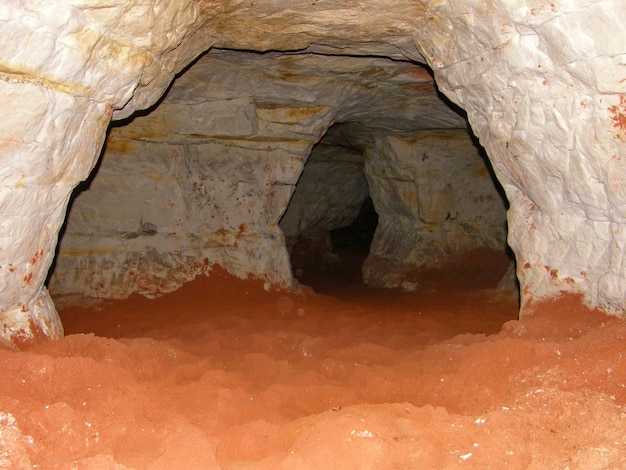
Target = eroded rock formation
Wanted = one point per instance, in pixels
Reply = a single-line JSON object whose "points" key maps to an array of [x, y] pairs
{"points": [[205, 177], [328, 196], [543, 85], [64, 68], [435, 199]]}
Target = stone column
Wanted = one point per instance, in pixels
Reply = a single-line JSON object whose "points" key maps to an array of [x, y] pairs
{"points": [[49, 141], [435, 199], [64, 68]]}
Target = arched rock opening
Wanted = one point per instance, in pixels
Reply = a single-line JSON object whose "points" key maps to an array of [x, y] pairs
{"points": [[319, 223], [329, 196], [204, 178], [542, 85], [434, 196]]}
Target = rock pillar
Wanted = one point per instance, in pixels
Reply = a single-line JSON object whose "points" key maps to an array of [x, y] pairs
{"points": [[64, 68], [49, 142], [435, 199], [544, 87]]}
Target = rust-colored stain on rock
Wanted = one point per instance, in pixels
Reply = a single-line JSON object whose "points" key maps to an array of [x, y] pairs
{"points": [[618, 118]]}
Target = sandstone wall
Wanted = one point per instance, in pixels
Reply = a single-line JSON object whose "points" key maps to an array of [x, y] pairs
{"points": [[544, 86], [435, 198], [328, 196], [205, 177]]}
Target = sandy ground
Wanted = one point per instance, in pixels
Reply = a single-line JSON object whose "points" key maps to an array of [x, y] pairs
{"points": [[222, 374]]}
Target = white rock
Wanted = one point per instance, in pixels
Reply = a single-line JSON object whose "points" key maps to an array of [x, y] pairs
{"points": [[213, 168], [46, 148], [542, 91], [542, 83], [434, 197]]}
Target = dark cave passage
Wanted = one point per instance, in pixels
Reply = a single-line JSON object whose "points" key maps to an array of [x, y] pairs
{"points": [[358, 236], [339, 270], [397, 211]]}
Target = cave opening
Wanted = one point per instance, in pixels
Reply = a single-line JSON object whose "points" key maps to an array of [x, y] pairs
{"points": [[222, 371], [211, 169], [330, 220], [356, 237], [442, 210]]}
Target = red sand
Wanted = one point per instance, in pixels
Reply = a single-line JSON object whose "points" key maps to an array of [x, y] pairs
{"points": [[222, 374]]}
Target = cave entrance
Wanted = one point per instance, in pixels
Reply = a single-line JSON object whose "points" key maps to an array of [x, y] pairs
{"points": [[330, 221], [357, 237], [205, 177], [409, 210]]}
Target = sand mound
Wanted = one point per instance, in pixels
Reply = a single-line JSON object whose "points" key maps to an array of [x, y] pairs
{"points": [[222, 374]]}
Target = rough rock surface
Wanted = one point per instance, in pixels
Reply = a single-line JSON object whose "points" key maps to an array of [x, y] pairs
{"points": [[435, 199], [63, 67], [35, 184], [328, 196], [206, 176], [432, 190], [543, 85]]}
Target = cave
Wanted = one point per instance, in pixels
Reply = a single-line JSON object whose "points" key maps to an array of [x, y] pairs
{"points": [[433, 187], [230, 173], [327, 202], [356, 237], [173, 171]]}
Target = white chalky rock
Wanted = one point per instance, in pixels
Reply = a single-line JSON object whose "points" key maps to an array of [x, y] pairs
{"points": [[329, 195], [48, 146], [435, 198], [544, 85], [63, 67], [208, 174]]}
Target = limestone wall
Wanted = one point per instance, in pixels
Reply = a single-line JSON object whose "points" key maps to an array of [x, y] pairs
{"points": [[205, 177], [544, 86], [435, 198], [328, 196]]}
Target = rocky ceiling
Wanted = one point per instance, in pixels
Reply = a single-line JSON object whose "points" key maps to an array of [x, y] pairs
{"points": [[543, 85]]}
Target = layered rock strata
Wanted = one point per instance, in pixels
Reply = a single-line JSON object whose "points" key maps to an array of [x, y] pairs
{"points": [[432, 190], [543, 85], [435, 199], [205, 177]]}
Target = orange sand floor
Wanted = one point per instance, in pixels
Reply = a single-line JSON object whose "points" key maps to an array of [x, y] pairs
{"points": [[224, 375]]}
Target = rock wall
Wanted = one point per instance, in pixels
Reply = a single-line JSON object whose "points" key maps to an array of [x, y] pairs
{"points": [[205, 177], [63, 68], [328, 196], [433, 192], [435, 199], [35, 185], [543, 85]]}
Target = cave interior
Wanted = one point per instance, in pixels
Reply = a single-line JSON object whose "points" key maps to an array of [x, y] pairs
{"points": [[292, 248], [253, 157]]}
